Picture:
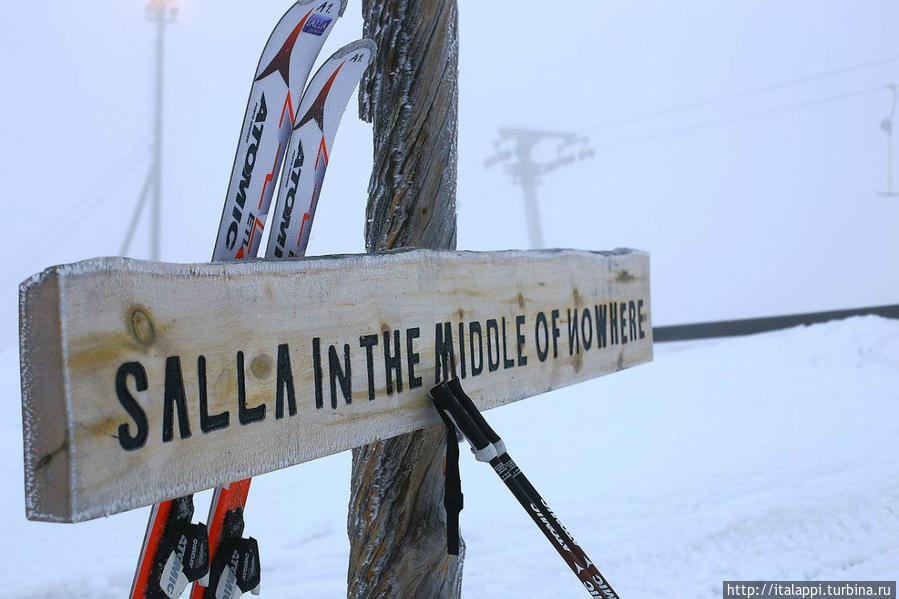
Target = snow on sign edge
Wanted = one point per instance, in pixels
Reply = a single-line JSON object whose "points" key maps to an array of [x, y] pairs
{"points": [[78, 465]]}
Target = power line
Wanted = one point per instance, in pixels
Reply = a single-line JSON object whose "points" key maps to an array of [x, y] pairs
{"points": [[111, 180], [745, 117], [735, 96], [731, 120], [83, 207], [746, 93]]}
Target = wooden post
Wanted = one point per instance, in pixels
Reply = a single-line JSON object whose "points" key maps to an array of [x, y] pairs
{"points": [[396, 521]]}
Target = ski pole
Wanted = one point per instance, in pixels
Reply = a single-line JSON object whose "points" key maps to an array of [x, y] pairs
{"points": [[454, 405]]}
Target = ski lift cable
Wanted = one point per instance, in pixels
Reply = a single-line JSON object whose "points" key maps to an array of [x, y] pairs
{"points": [[745, 93], [736, 119], [744, 117], [749, 92]]}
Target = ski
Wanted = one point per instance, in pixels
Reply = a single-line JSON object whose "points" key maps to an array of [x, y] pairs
{"points": [[235, 561], [306, 160], [458, 411], [175, 551], [280, 78]]}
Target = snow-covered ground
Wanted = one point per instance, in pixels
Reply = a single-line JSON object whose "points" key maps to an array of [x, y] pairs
{"points": [[773, 456]]}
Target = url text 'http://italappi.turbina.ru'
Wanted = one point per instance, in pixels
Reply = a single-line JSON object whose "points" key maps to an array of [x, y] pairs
{"points": [[769, 589]]}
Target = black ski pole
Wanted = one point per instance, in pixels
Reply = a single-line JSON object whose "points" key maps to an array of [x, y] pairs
{"points": [[453, 404]]}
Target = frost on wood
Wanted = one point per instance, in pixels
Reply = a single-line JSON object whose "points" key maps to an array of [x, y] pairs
{"points": [[396, 521], [411, 98], [43, 399], [129, 367]]}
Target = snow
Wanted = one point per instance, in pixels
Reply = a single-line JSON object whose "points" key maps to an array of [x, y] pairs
{"points": [[767, 456], [771, 456]]}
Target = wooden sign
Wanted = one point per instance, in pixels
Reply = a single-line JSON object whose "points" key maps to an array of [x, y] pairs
{"points": [[145, 381]]}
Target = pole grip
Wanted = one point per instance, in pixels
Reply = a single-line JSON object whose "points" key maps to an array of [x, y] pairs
{"points": [[445, 401], [472, 410]]}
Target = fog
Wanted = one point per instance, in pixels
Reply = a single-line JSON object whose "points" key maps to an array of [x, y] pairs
{"points": [[739, 143]]}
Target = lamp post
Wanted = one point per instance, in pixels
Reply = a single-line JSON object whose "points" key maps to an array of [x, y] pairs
{"points": [[161, 12]]}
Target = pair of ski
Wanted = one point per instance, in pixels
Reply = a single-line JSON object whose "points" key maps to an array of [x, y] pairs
{"points": [[459, 412], [216, 558]]}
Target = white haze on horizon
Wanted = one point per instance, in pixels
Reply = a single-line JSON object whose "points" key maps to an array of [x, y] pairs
{"points": [[759, 204]]}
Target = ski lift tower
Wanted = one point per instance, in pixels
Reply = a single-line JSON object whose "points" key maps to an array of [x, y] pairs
{"points": [[518, 145]]}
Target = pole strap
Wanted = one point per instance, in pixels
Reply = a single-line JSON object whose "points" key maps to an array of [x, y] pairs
{"points": [[453, 499]]}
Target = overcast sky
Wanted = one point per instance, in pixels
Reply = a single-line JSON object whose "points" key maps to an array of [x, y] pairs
{"points": [[739, 143]]}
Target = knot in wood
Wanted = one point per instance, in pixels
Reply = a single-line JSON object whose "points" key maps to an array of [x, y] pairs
{"points": [[261, 366], [142, 326]]}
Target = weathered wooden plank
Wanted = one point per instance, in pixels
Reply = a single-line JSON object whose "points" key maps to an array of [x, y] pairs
{"points": [[145, 381]]}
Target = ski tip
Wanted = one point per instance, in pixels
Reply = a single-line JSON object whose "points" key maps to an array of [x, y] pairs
{"points": [[364, 43], [343, 4]]}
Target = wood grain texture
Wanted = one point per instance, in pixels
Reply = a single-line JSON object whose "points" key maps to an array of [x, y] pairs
{"points": [[109, 342], [44, 411], [396, 521]]}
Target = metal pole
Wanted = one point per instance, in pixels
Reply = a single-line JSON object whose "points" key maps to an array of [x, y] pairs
{"points": [[890, 163], [162, 12], [528, 178], [142, 199], [527, 171], [887, 127], [157, 135]]}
